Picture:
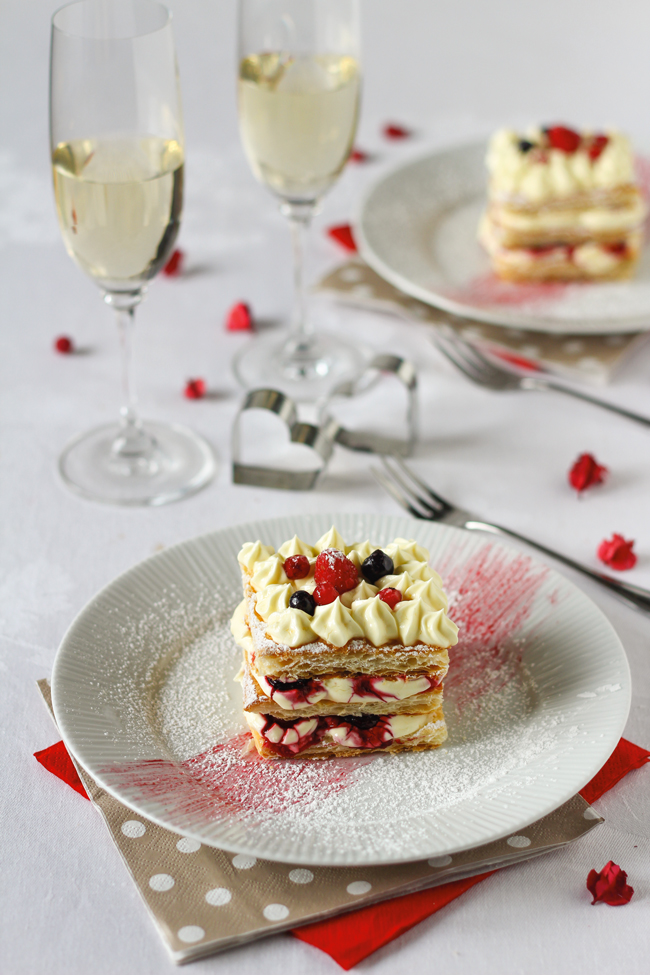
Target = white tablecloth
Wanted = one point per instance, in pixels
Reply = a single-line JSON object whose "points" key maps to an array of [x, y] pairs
{"points": [[66, 903]]}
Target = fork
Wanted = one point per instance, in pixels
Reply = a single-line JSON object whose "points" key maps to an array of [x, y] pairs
{"points": [[482, 371], [422, 502]]}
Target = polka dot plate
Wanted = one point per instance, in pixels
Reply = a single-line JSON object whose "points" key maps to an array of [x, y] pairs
{"points": [[418, 229], [537, 696]]}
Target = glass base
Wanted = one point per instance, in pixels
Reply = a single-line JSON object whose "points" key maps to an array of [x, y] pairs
{"points": [[306, 370], [163, 463]]}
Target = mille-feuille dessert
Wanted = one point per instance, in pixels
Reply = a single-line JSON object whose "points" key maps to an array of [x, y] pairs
{"points": [[562, 205], [345, 647]]}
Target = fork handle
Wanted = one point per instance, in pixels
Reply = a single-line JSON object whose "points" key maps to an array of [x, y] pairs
{"points": [[632, 594], [537, 383]]}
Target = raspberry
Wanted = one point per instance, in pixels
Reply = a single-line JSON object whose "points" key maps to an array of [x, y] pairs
{"points": [[562, 138], [324, 594], [333, 567], [390, 596], [597, 146], [296, 567], [239, 318], [174, 266], [195, 389], [64, 345]]}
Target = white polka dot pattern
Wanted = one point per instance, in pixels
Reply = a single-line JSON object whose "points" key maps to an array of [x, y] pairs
{"points": [[133, 829], [519, 842], [439, 861], [161, 882], [243, 862], [359, 887], [275, 912], [187, 845], [191, 933], [218, 896], [301, 876]]}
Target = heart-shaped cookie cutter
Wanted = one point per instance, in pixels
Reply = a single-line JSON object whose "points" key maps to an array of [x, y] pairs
{"points": [[321, 438]]}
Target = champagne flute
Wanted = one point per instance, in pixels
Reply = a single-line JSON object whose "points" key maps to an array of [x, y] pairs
{"points": [[116, 137], [299, 87]]}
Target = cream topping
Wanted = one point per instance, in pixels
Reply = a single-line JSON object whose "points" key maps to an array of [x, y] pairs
{"points": [[335, 624], [269, 572], [538, 176], [290, 627], [419, 624], [403, 550], [252, 552], [273, 599], [360, 551], [296, 546], [330, 539], [429, 592], [376, 620], [363, 591], [240, 630]]}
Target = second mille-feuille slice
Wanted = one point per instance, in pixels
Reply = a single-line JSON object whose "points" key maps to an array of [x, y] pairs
{"points": [[345, 647]]}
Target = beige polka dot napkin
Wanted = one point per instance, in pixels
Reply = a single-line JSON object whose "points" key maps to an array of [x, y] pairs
{"points": [[203, 900], [581, 358]]}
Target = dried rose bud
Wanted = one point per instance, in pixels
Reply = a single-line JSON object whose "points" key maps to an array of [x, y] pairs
{"points": [[239, 318], [64, 345], [174, 266], [609, 886], [617, 553], [586, 472], [195, 389], [393, 131]]}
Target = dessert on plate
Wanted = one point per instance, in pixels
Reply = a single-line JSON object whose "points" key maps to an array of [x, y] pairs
{"points": [[344, 646], [562, 205]]}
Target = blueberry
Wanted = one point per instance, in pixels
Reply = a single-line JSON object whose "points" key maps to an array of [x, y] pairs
{"points": [[525, 145], [303, 600], [377, 564], [364, 722]]}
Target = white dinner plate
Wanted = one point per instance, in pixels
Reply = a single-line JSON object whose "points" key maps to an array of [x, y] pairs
{"points": [[536, 700], [417, 229]]}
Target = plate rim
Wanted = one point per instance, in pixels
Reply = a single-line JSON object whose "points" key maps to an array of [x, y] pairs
{"points": [[435, 299], [236, 848]]}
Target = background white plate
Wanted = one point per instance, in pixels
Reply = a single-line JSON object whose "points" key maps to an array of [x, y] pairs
{"points": [[536, 700], [417, 229]]}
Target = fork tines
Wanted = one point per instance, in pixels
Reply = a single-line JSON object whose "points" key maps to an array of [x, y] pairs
{"points": [[409, 491]]}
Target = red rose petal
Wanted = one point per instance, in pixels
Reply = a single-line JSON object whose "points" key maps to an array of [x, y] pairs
{"points": [[343, 236], [390, 596], [195, 389], [359, 156], [394, 131], [617, 553], [239, 318], [609, 886], [560, 137], [586, 472], [64, 345], [174, 266]]}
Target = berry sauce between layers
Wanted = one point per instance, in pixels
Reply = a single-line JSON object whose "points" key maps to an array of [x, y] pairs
{"points": [[311, 690], [290, 737]]}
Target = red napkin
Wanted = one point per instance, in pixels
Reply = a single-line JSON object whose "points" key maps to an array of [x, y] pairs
{"points": [[350, 938]]}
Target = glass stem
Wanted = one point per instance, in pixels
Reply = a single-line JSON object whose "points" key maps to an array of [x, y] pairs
{"points": [[300, 217], [125, 323]]}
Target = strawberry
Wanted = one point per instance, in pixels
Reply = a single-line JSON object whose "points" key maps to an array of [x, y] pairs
{"points": [[334, 568], [560, 137]]}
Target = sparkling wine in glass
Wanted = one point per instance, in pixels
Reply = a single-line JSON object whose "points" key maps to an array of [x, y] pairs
{"points": [[299, 88], [116, 138]]}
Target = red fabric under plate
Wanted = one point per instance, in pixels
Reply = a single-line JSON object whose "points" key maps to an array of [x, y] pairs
{"points": [[351, 937]]}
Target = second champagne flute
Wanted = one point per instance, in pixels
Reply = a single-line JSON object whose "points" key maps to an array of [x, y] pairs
{"points": [[299, 87]]}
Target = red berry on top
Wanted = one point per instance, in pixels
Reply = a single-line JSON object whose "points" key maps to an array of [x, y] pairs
{"points": [[195, 389], [64, 344], [239, 318], [598, 144], [560, 137], [296, 567], [325, 593], [390, 596], [174, 266], [332, 566]]}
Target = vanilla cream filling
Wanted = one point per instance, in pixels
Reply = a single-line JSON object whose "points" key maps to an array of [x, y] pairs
{"points": [[593, 219], [341, 690], [395, 726]]}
